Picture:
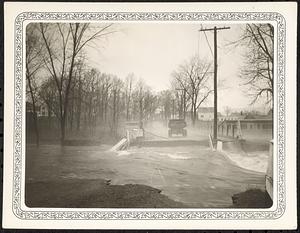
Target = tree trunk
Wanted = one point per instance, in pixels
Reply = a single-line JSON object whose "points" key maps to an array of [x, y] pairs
{"points": [[36, 128], [62, 129], [127, 109], [90, 113], [72, 111], [79, 106], [193, 114], [141, 109], [114, 112], [105, 110], [49, 118]]}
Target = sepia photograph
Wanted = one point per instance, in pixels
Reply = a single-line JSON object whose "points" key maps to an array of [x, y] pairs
{"points": [[149, 115]]}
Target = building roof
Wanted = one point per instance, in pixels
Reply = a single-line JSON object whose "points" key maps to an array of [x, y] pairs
{"points": [[258, 116]]}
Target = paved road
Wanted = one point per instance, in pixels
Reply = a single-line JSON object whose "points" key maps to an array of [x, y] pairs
{"points": [[193, 175], [158, 131]]}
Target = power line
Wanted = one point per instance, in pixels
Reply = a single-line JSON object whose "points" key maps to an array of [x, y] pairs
{"points": [[208, 44], [198, 46]]}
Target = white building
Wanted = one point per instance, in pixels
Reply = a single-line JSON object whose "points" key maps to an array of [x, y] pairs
{"points": [[41, 110], [207, 114]]}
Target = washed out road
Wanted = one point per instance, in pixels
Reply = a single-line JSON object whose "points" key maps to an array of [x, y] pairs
{"points": [[193, 175]]}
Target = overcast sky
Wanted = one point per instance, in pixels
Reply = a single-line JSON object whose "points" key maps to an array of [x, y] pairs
{"points": [[153, 50]]}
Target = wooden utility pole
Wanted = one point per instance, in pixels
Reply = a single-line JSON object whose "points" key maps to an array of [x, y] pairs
{"points": [[215, 29], [184, 103]]}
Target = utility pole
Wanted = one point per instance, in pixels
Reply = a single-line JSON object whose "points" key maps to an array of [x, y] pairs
{"points": [[184, 103], [215, 29]]}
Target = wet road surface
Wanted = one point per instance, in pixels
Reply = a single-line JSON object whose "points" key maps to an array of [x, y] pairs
{"points": [[193, 175]]}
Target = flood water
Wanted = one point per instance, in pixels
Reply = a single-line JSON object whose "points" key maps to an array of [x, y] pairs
{"points": [[193, 175]]}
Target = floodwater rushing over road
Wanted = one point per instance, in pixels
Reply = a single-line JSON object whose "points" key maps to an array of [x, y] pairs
{"points": [[193, 175]]}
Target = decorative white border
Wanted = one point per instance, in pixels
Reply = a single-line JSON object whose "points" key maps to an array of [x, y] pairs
{"points": [[169, 214]]}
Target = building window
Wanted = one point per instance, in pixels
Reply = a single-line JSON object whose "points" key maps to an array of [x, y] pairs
{"points": [[267, 126]]}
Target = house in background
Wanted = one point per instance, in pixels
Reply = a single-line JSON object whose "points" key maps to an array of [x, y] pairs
{"points": [[41, 110], [252, 123], [207, 114]]}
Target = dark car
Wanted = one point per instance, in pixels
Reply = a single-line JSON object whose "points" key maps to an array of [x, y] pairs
{"points": [[177, 126]]}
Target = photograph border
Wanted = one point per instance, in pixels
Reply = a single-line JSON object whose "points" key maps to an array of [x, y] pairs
{"points": [[143, 214]]}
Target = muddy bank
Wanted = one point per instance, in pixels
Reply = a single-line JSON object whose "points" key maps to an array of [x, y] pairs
{"points": [[94, 194], [252, 198]]}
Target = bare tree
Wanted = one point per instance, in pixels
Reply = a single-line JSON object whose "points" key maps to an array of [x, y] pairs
{"points": [[48, 94], [182, 100], [63, 43], [105, 92], [165, 99], [34, 50], [258, 70], [150, 104], [139, 95], [91, 80], [192, 77], [78, 89], [129, 83], [227, 110], [115, 104]]}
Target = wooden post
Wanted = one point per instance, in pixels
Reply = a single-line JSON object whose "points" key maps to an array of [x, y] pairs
{"points": [[215, 87], [215, 29]]}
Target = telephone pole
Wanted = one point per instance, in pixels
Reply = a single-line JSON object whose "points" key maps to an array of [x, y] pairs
{"points": [[215, 29]]}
